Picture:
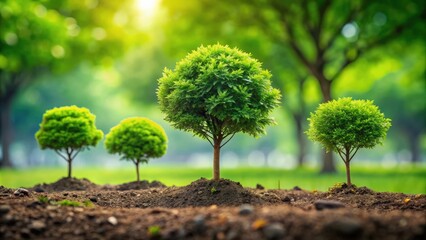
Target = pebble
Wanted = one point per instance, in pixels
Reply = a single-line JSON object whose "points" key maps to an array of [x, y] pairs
{"points": [[21, 192], [260, 187], [145, 205], [246, 209], [113, 220], [39, 190], [199, 223], [274, 231], [344, 227], [297, 188], [34, 204], [37, 226], [233, 234], [93, 199], [328, 204], [286, 199], [9, 220], [4, 209]]}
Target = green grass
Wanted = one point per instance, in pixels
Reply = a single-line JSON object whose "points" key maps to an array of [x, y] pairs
{"points": [[407, 179]]}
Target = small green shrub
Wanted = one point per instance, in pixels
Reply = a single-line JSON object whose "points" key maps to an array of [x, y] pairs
{"points": [[215, 92], [137, 139], [68, 130], [345, 125], [68, 203], [154, 231], [43, 199]]}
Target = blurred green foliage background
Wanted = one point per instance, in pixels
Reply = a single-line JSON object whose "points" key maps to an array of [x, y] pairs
{"points": [[108, 55]]}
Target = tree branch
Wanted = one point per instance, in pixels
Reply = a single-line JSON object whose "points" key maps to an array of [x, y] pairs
{"points": [[75, 154], [353, 153], [340, 154], [60, 154], [229, 139]]}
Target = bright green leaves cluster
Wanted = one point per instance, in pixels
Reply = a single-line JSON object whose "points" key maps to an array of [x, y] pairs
{"points": [[68, 127], [347, 124], [137, 139], [218, 90]]}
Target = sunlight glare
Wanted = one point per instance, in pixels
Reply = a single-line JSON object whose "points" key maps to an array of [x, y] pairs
{"points": [[147, 7], [147, 10]]}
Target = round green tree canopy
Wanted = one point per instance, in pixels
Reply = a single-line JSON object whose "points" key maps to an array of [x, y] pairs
{"points": [[68, 127], [346, 124], [218, 88], [137, 138]]}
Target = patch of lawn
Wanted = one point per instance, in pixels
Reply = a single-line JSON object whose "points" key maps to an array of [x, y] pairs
{"points": [[407, 179]]}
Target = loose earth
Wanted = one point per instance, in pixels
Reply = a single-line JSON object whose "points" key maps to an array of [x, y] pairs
{"points": [[79, 209]]}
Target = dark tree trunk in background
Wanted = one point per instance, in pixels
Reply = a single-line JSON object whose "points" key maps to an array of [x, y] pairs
{"points": [[414, 141], [300, 118], [12, 83], [328, 165], [300, 135], [6, 131]]}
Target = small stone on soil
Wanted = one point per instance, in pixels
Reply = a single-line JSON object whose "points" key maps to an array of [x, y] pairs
{"points": [[113, 220], [344, 227], [297, 188], [21, 192], [246, 209], [199, 223], [93, 199], [39, 190], [286, 199], [260, 187], [4, 209], [274, 231], [37, 226], [328, 204]]}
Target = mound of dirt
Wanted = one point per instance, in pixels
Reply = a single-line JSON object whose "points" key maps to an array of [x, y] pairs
{"points": [[144, 184], [66, 184], [343, 188], [6, 191], [205, 192]]}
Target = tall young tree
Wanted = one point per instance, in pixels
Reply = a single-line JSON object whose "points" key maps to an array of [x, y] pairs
{"points": [[216, 92]]}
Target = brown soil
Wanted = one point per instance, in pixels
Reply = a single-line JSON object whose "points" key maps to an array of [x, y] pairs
{"points": [[207, 209]]}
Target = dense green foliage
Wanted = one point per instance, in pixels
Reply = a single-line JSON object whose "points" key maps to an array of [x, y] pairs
{"points": [[215, 92], [346, 125], [68, 130], [137, 139]]}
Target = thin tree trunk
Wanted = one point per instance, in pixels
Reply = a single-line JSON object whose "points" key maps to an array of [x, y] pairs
{"points": [[137, 171], [69, 160], [69, 168], [6, 131], [348, 173], [216, 160]]}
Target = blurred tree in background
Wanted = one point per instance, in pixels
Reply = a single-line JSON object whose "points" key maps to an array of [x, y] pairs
{"points": [[46, 37], [325, 37]]}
